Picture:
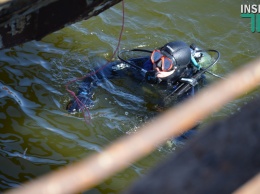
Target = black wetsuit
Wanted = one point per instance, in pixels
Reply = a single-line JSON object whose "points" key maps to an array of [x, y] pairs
{"points": [[165, 87], [185, 80]]}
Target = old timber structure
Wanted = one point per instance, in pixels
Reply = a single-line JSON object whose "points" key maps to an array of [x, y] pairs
{"points": [[25, 20]]}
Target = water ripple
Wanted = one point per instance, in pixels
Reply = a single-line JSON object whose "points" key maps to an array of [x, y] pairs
{"points": [[33, 78], [33, 159]]}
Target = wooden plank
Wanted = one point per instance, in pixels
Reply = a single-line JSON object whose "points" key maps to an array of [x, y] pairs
{"points": [[26, 20], [219, 160]]}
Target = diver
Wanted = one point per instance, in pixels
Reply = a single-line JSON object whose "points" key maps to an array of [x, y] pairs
{"points": [[174, 67]]}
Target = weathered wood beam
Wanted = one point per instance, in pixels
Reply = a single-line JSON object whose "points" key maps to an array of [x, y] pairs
{"points": [[26, 20], [219, 160]]}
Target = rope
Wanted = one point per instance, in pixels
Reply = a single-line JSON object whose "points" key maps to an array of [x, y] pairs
{"points": [[82, 106]]}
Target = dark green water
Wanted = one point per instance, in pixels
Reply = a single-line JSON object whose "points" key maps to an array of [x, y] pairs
{"points": [[37, 135]]}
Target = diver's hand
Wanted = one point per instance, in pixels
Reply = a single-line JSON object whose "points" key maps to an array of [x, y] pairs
{"points": [[151, 77]]}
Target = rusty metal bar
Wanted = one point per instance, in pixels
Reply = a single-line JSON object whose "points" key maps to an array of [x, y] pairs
{"points": [[91, 171], [251, 187]]}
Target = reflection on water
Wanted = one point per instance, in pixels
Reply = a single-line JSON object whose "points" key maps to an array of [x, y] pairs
{"points": [[37, 134]]}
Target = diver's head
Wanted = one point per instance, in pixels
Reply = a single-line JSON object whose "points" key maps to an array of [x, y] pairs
{"points": [[179, 51], [170, 57]]}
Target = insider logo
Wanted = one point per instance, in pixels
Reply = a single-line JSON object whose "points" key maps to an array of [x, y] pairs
{"points": [[252, 11]]}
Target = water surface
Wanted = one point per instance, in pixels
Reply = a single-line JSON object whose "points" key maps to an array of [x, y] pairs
{"points": [[37, 135]]}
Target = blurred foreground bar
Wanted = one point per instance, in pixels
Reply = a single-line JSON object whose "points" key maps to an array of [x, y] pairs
{"points": [[221, 159], [25, 20]]}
